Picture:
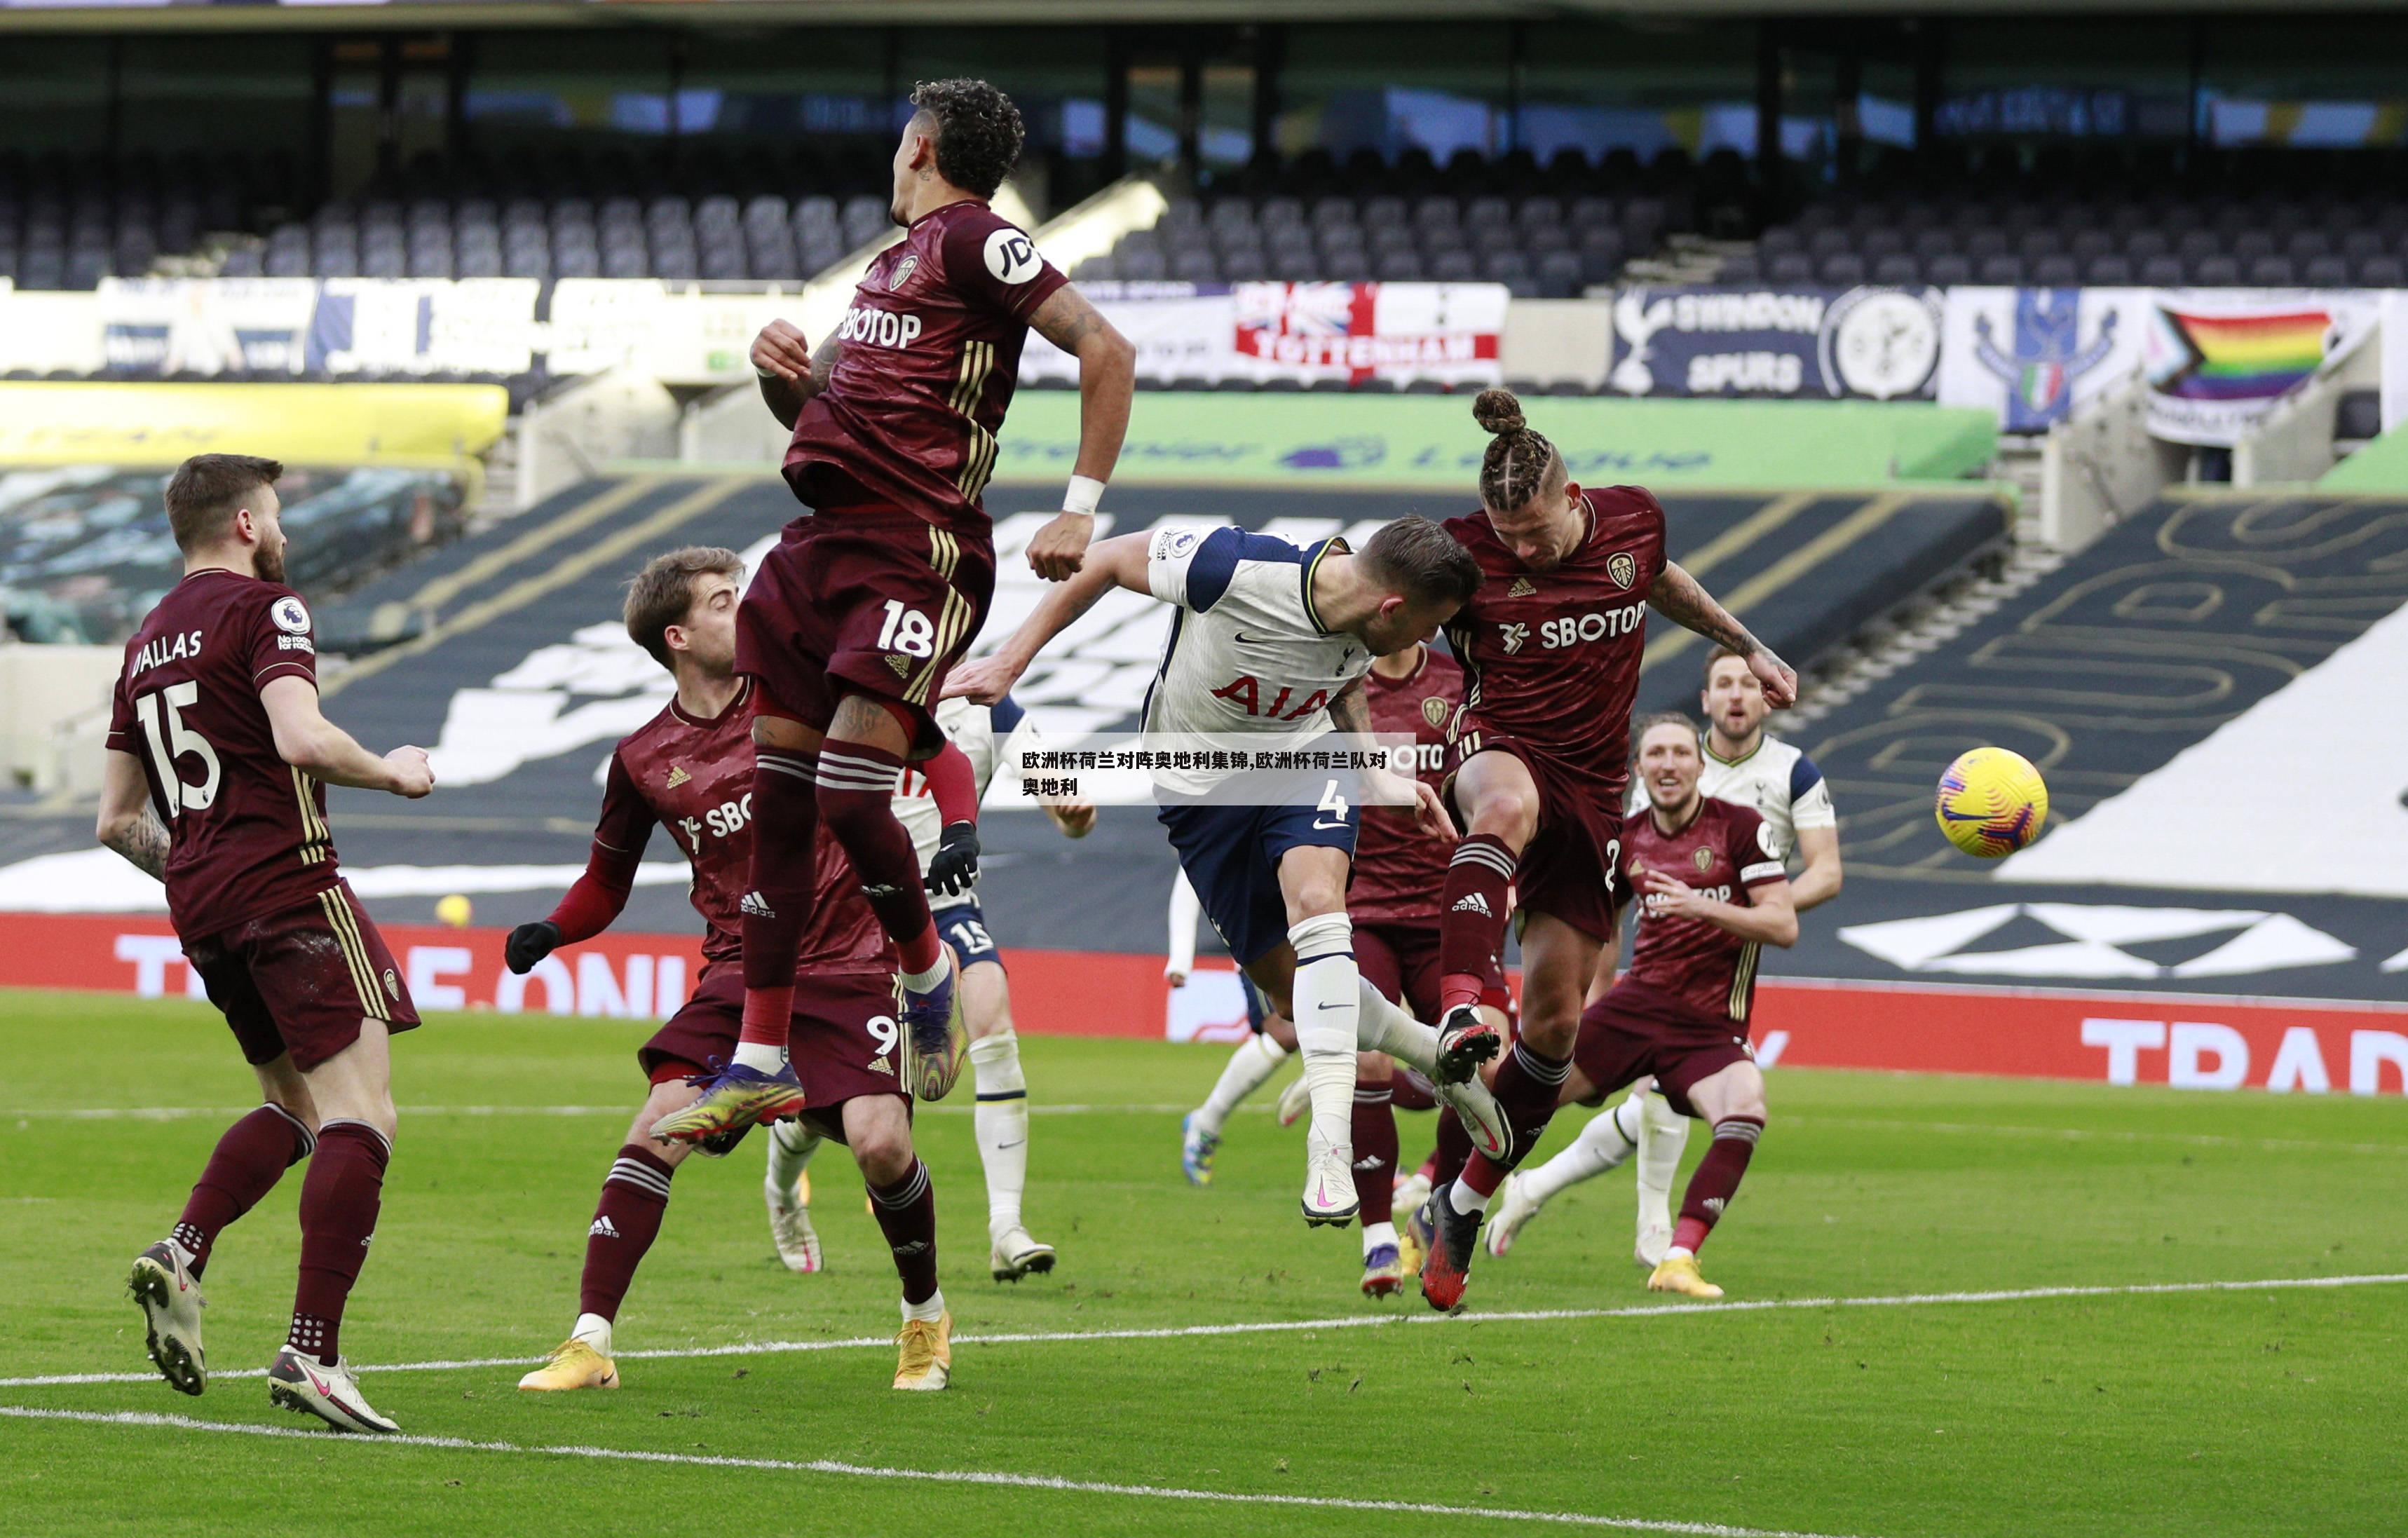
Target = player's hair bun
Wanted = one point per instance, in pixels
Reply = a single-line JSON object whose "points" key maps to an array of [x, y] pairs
{"points": [[1498, 410]]}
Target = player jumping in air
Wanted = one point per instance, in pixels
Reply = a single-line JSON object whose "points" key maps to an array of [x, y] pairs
{"points": [[215, 782], [1551, 646], [1268, 650], [948, 855], [1746, 764], [1270, 1041], [689, 770], [854, 618], [1711, 894]]}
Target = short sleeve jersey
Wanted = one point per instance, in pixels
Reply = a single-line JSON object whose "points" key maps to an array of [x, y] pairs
{"points": [[1399, 869], [1551, 659], [1247, 656], [247, 834], [694, 777], [931, 356], [1780, 782], [1724, 852]]}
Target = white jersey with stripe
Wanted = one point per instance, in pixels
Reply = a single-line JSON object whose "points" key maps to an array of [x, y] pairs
{"points": [[1248, 661], [1779, 781]]}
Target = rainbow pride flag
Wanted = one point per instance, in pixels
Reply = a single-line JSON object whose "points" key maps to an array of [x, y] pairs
{"points": [[2243, 357]]}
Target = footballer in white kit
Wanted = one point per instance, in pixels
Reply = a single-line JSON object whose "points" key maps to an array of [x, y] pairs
{"points": [[1267, 648], [949, 860], [1748, 765]]}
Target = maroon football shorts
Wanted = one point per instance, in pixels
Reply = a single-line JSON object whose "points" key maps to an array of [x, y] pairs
{"points": [[876, 601], [1568, 870], [1635, 1030], [1399, 958], [843, 1028], [301, 981]]}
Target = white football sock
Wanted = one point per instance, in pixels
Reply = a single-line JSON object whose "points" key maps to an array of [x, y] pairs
{"points": [[1001, 1120], [761, 1056], [1256, 1060], [1326, 994], [594, 1331], [922, 982], [1603, 1144], [1384, 1027], [933, 1310], [1377, 1234], [791, 1148], [1663, 1132], [1463, 1199]]}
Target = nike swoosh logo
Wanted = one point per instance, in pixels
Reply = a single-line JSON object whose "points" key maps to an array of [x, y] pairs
{"points": [[1001, 1146], [1331, 1006], [1320, 827]]}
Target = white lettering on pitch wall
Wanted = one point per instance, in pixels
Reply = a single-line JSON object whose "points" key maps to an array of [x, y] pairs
{"points": [[2201, 1054], [635, 987]]}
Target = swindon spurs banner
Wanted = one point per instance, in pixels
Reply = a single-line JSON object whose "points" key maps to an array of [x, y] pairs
{"points": [[1807, 343]]}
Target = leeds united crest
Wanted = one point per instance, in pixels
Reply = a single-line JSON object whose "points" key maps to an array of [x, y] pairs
{"points": [[1622, 568]]}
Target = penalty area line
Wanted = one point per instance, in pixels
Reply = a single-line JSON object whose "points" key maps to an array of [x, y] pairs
{"points": [[978, 1478], [1349, 1321]]}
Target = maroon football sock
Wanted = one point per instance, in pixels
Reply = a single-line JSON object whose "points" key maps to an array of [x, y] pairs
{"points": [[1407, 1093], [1471, 918], [907, 1213], [1716, 1180], [785, 834], [1453, 1149], [247, 1161], [856, 790], [338, 1215], [1375, 1151], [1528, 1084], [635, 1197]]}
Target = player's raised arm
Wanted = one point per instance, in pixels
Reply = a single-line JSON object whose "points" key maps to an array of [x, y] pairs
{"points": [[1107, 381], [306, 739], [1118, 562], [127, 824], [1677, 597]]}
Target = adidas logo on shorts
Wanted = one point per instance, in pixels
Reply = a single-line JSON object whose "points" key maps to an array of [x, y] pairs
{"points": [[603, 1227], [880, 1065], [902, 666], [1474, 904]]}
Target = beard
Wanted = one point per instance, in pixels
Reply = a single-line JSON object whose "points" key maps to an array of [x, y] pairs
{"points": [[268, 561]]}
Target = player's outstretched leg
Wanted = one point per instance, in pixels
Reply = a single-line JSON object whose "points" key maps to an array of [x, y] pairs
{"points": [[626, 1220], [1326, 996], [786, 1187], [1609, 1139], [1663, 1133], [1375, 1173], [1002, 1123], [1253, 1061], [1710, 1188], [249, 1158], [877, 1128], [1383, 1027]]}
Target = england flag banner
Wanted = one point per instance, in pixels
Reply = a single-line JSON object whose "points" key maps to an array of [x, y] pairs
{"points": [[1448, 331]]}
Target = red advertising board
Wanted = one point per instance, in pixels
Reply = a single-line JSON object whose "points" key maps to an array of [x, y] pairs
{"points": [[2187, 1040]]}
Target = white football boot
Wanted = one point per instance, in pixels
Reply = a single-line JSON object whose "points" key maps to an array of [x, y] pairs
{"points": [[1014, 1255], [1329, 1182], [1508, 1212], [1475, 1105], [1294, 1101], [305, 1383], [790, 1225], [171, 1302]]}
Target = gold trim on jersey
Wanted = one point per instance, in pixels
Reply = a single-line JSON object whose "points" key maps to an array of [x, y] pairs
{"points": [[952, 623], [1743, 979], [944, 551], [979, 454], [345, 924], [316, 844]]}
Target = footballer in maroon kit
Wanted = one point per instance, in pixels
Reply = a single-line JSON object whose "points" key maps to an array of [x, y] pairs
{"points": [[854, 620], [215, 782], [1551, 647], [1712, 894], [690, 769]]}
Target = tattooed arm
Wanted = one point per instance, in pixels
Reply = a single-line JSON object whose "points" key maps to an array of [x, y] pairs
{"points": [[1351, 714], [126, 823], [1107, 379], [1677, 597], [790, 373]]}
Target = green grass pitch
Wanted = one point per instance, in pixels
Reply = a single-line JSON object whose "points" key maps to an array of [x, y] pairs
{"points": [[2121, 1411]]}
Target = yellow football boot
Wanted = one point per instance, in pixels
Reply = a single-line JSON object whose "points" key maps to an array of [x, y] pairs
{"points": [[1679, 1274], [574, 1364], [925, 1361]]}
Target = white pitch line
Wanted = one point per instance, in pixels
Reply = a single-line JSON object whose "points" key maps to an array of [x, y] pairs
{"points": [[183, 1113], [987, 1478], [1350, 1321]]}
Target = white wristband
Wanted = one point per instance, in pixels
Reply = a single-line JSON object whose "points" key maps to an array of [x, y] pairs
{"points": [[1085, 493]]}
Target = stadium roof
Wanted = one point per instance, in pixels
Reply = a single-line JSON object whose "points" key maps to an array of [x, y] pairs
{"points": [[184, 15]]}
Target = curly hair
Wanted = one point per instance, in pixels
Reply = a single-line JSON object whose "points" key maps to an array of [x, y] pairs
{"points": [[979, 132]]}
